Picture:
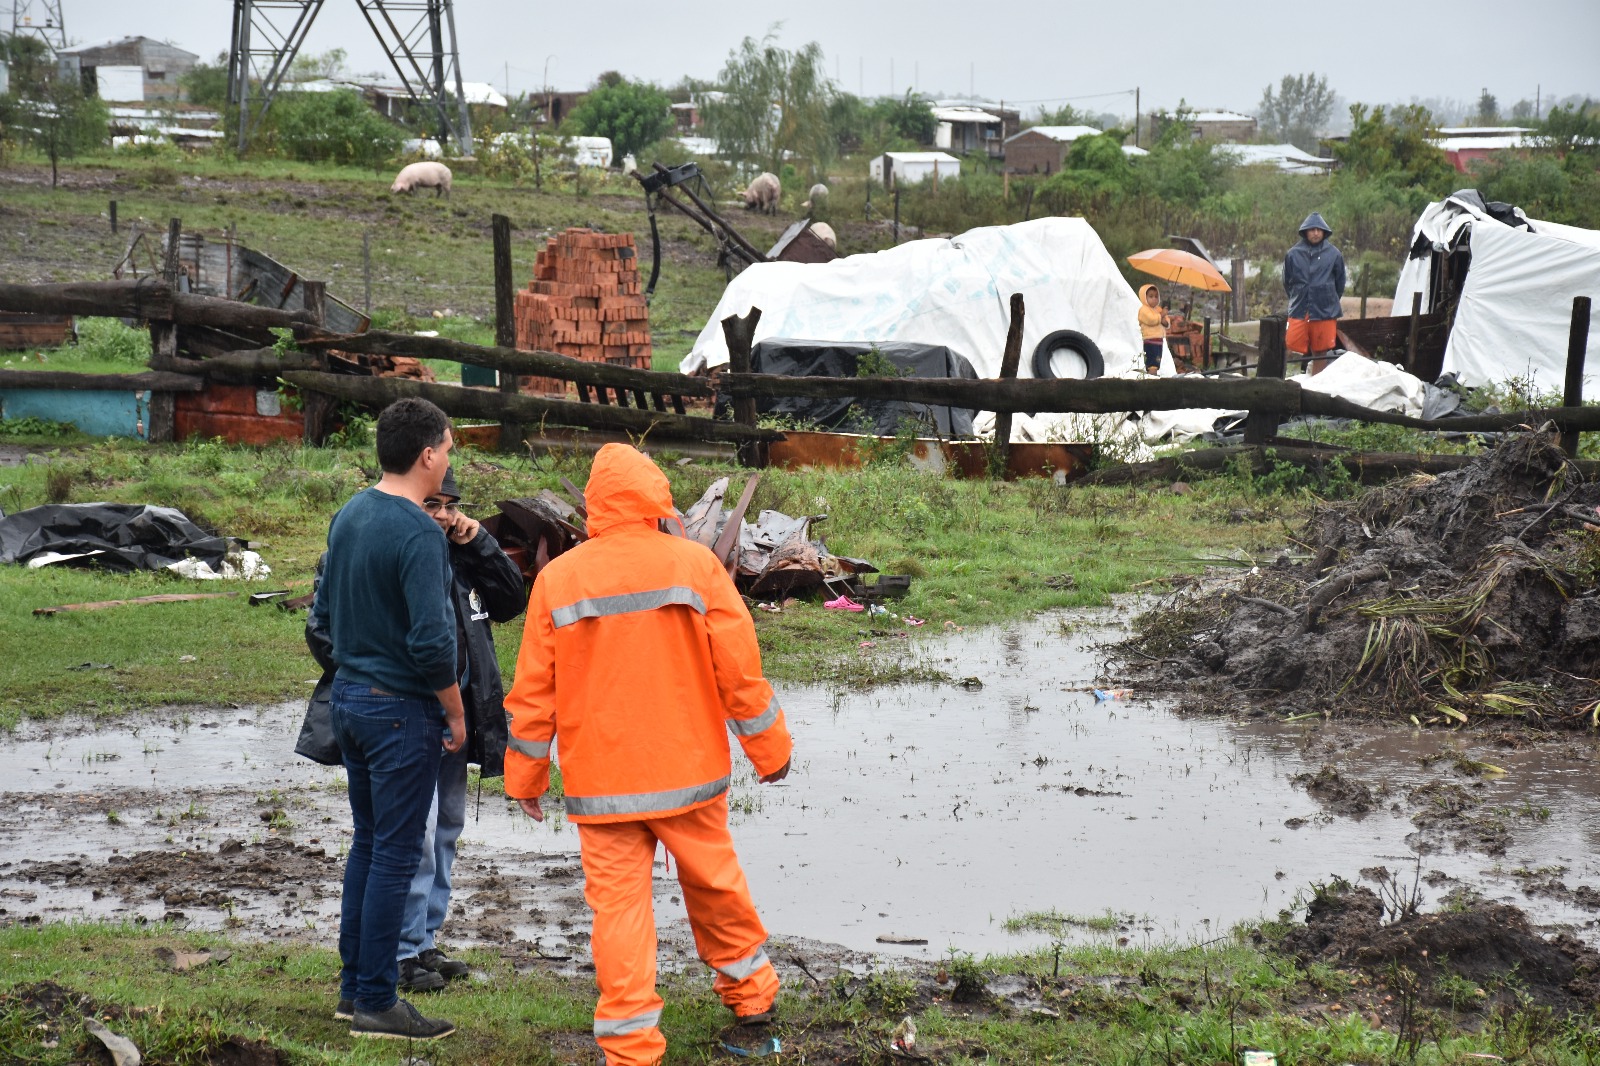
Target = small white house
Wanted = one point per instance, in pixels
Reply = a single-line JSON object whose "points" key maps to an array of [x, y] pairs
{"points": [[910, 168]]}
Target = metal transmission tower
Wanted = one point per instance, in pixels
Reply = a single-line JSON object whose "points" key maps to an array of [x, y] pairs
{"points": [[430, 72], [41, 19], [267, 34]]}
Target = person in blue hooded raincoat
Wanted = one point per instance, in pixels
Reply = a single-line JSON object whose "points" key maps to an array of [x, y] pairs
{"points": [[1313, 278]]}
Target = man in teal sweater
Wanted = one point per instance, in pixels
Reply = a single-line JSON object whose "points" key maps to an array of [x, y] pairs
{"points": [[384, 602]]}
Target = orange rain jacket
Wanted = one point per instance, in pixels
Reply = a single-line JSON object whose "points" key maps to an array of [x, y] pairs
{"points": [[637, 654]]}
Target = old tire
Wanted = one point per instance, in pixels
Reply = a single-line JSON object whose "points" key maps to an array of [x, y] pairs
{"points": [[1063, 345]]}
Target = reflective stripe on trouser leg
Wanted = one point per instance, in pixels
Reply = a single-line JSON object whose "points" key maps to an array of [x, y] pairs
{"points": [[617, 858], [727, 931]]}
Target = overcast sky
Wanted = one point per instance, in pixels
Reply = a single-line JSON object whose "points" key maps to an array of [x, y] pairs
{"points": [[1213, 55]]}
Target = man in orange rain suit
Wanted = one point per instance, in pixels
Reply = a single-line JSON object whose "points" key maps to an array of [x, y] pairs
{"points": [[637, 654]]}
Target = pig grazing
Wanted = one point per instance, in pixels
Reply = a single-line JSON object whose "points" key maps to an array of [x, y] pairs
{"points": [[818, 196], [763, 194], [825, 231], [427, 175]]}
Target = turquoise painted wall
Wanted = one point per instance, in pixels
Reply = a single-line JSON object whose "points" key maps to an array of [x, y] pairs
{"points": [[99, 414]]}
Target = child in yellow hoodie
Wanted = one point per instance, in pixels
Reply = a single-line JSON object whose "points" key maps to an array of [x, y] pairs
{"points": [[1153, 322]]}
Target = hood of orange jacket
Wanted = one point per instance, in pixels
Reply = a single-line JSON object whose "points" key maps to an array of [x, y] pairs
{"points": [[625, 486]]}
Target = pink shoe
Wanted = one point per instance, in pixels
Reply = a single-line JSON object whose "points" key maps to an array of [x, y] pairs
{"points": [[843, 603]]}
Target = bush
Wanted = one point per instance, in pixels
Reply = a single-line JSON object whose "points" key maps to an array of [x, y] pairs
{"points": [[633, 114], [336, 127]]}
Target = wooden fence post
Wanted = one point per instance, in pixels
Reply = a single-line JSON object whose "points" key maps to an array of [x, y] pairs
{"points": [[740, 334], [1262, 424], [317, 409], [1411, 335], [1361, 284], [1010, 359], [113, 216], [1577, 349], [1236, 279], [164, 346], [505, 321]]}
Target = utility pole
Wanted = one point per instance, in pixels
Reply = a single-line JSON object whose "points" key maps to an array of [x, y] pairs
{"points": [[1136, 117]]}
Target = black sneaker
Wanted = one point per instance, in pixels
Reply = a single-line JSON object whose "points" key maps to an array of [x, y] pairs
{"points": [[399, 1022], [345, 1011], [445, 967], [415, 977]]}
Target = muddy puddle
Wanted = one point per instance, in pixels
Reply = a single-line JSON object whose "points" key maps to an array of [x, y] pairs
{"points": [[932, 813]]}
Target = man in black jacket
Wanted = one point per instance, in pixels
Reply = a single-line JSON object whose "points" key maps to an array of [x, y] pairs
{"points": [[487, 587]]}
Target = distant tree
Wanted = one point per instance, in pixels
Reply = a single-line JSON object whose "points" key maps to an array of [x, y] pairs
{"points": [[206, 84], [316, 66], [336, 127], [1096, 172], [1297, 111], [1488, 109], [1394, 148], [775, 101], [56, 117], [633, 114], [1066, 115], [30, 63], [1573, 132], [909, 118], [609, 79], [1522, 111]]}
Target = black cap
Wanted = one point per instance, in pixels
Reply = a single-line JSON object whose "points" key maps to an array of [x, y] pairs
{"points": [[450, 488]]}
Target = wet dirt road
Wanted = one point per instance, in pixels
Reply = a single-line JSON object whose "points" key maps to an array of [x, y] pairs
{"points": [[917, 812]]}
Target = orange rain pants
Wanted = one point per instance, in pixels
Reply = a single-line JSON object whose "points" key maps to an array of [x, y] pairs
{"points": [[617, 861], [1306, 336]]}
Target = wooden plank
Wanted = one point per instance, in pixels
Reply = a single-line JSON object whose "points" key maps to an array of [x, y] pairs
{"points": [[1094, 396], [100, 605], [151, 380], [539, 364], [147, 298], [482, 403]]}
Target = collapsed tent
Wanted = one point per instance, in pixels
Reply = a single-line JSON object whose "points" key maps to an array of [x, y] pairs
{"points": [[1512, 280], [953, 292]]}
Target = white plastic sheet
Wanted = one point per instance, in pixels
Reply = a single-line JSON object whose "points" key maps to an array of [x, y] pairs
{"points": [[953, 292], [1515, 313]]}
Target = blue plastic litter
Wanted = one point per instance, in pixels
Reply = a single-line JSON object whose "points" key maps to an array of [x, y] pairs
{"points": [[773, 1046]]}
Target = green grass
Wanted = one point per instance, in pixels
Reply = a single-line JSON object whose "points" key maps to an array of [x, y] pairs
{"points": [[1101, 1004], [983, 551], [103, 346]]}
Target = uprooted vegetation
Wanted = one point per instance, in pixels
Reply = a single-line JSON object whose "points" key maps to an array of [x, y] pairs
{"points": [[1439, 599]]}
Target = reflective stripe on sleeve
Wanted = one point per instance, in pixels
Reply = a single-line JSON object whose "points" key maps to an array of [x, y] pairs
{"points": [[627, 603], [528, 747], [749, 727], [622, 1026], [743, 968], [646, 802]]}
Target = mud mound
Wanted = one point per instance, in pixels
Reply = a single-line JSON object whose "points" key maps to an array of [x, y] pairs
{"points": [[195, 878], [1465, 596], [1490, 944]]}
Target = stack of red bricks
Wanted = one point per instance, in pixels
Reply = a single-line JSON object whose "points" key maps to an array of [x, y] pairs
{"points": [[584, 302]]}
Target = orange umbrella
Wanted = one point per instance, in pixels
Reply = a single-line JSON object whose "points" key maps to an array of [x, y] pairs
{"points": [[1184, 268]]}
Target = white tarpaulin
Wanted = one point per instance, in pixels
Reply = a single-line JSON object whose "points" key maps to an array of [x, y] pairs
{"points": [[954, 292], [1515, 311]]}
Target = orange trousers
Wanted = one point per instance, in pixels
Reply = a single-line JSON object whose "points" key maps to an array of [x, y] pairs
{"points": [[1306, 336], [617, 861]]}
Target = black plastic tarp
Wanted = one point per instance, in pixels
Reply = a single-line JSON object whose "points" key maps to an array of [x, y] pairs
{"points": [[125, 536], [841, 359]]}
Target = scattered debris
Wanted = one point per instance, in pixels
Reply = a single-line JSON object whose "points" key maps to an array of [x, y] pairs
{"points": [[101, 605], [1443, 599], [179, 961], [898, 938], [123, 1051]]}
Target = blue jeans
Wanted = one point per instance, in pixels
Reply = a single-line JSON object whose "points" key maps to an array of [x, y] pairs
{"points": [[428, 900], [392, 748]]}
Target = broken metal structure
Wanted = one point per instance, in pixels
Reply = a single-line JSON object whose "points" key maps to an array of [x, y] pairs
{"points": [[418, 36]]}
